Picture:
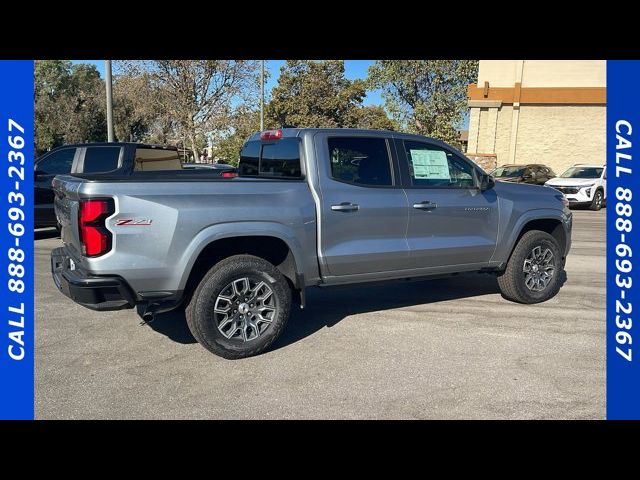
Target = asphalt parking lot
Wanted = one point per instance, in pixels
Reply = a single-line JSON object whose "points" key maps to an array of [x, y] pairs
{"points": [[436, 349]]}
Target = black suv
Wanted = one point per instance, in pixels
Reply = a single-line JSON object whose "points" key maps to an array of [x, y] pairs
{"points": [[534, 173]]}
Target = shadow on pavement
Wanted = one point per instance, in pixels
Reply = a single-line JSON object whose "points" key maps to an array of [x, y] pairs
{"points": [[173, 325], [44, 233], [327, 307]]}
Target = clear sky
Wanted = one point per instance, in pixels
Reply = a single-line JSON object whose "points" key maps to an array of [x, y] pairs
{"points": [[353, 69]]}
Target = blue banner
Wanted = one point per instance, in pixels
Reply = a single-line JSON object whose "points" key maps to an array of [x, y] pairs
{"points": [[623, 248], [16, 240]]}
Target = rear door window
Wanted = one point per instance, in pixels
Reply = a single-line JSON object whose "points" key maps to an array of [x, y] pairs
{"points": [[360, 160], [101, 159]]}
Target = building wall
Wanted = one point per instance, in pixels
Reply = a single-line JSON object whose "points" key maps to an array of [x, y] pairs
{"points": [[561, 136], [503, 133], [543, 73], [543, 111]]}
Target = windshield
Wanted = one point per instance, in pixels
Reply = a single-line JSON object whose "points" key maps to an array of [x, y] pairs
{"points": [[583, 172], [508, 172]]}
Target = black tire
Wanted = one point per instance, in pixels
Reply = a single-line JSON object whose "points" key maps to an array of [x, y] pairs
{"points": [[597, 201], [202, 321], [512, 279]]}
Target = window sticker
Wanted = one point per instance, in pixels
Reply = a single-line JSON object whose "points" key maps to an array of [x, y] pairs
{"points": [[430, 165]]}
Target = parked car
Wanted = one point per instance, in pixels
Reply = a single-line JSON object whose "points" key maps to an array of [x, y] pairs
{"points": [[583, 184], [536, 174], [310, 207], [222, 169], [91, 158]]}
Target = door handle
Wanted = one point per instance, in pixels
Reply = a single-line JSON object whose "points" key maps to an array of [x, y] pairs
{"points": [[426, 205], [345, 207]]}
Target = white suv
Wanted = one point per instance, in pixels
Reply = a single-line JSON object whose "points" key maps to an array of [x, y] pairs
{"points": [[583, 185]]}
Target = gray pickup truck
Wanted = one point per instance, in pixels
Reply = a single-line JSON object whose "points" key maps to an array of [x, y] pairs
{"points": [[310, 207]]}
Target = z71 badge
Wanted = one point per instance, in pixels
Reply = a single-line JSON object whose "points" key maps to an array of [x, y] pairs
{"points": [[133, 222]]}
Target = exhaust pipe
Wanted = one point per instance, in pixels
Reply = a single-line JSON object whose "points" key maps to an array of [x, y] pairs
{"points": [[148, 314], [150, 310]]}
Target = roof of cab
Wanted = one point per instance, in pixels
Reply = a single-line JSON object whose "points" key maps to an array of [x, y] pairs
{"points": [[117, 144], [298, 132]]}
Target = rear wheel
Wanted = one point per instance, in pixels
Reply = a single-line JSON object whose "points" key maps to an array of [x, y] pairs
{"points": [[534, 269], [598, 200], [240, 307]]}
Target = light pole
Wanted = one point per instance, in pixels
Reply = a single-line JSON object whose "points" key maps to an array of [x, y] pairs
{"points": [[262, 96], [107, 71]]}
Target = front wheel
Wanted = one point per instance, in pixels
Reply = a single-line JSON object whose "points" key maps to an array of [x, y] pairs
{"points": [[598, 199], [533, 272], [240, 307]]}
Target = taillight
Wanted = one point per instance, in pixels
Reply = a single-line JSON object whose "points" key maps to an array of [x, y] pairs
{"points": [[94, 236], [271, 135], [228, 174]]}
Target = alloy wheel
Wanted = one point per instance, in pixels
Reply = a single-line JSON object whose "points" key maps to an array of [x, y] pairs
{"points": [[539, 268], [244, 309]]}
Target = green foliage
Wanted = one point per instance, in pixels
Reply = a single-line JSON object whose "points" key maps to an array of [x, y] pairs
{"points": [[428, 97], [372, 117], [69, 104], [314, 94], [228, 143]]}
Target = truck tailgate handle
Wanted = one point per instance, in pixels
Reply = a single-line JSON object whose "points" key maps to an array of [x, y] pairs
{"points": [[426, 205], [345, 207]]}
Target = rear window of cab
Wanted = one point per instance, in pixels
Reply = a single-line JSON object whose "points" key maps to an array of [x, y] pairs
{"points": [[271, 159]]}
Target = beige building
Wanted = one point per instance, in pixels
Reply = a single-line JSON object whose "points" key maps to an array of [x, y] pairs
{"points": [[538, 111]]}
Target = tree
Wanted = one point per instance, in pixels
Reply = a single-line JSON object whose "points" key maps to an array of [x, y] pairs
{"points": [[314, 94], [228, 143], [372, 117], [134, 116], [196, 96], [51, 77], [69, 104], [428, 97]]}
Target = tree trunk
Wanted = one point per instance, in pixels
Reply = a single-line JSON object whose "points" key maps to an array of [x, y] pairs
{"points": [[194, 148]]}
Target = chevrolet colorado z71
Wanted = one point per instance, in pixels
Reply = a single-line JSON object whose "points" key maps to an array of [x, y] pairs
{"points": [[310, 207]]}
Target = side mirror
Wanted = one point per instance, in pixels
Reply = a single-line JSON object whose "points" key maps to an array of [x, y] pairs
{"points": [[486, 182]]}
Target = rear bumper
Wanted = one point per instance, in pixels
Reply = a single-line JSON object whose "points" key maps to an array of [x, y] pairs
{"points": [[94, 292]]}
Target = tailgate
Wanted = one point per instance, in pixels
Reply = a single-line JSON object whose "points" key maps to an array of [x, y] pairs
{"points": [[66, 204]]}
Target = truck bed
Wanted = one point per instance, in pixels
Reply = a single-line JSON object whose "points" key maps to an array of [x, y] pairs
{"points": [[174, 216]]}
